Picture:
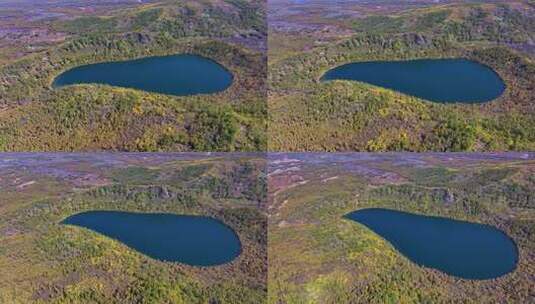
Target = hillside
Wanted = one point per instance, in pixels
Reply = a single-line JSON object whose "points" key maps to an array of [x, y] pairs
{"points": [[318, 256], [306, 114], [43, 260], [36, 117]]}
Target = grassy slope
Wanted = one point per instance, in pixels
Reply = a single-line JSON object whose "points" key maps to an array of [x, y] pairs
{"points": [[36, 118], [45, 262], [344, 116], [318, 257]]}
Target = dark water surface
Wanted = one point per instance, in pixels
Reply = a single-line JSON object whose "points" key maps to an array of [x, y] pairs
{"points": [[192, 240], [174, 75], [462, 249], [439, 80]]}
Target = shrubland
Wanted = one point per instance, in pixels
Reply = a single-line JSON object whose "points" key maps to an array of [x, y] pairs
{"points": [[306, 114], [44, 261], [36, 117], [318, 256]]}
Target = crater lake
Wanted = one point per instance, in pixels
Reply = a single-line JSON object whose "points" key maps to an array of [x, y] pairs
{"points": [[179, 75], [438, 80], [458, 248], [192, 240]]}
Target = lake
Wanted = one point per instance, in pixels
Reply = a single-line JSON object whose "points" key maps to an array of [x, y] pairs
{"points": [[178, 75], [458, 248], [192, 240], [438, 80]]}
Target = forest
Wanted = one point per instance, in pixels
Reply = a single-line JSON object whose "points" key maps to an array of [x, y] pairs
{"points": [[45, 262], [36, 117], [306, 114], [334, 260]]}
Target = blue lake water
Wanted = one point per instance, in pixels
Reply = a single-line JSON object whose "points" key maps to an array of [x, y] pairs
{"points": [[462, 249], [178, 75], [192, 240], [438, 80]]}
